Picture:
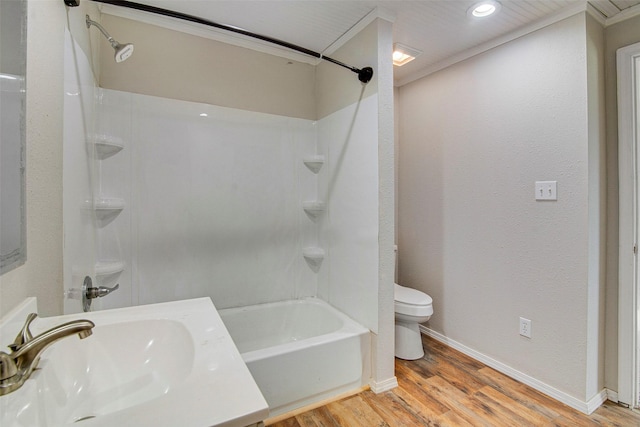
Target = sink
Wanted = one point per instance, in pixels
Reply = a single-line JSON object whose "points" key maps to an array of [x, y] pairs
{"points": [[163, 364]]}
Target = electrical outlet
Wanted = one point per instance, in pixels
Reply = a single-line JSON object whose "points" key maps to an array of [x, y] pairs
{"points": [[525, 327]]}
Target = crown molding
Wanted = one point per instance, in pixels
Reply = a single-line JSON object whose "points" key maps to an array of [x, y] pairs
{"points": [[629, 13], [377, 13], [605, 7], [607, 14], [596, 14]]}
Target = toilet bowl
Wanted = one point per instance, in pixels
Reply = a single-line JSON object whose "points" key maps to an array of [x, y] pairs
{"points": [[411, 308]]}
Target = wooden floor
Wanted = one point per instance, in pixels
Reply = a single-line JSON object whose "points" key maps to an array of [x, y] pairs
{"points": [[447, 388]]}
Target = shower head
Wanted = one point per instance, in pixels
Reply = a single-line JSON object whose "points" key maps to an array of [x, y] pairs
{"points": [[123, 51]]}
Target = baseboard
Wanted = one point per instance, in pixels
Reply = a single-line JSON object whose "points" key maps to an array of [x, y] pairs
{"points": [[612, 395], [382, 386], [582, 406], [597, 400]]}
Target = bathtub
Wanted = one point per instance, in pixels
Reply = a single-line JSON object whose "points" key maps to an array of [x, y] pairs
{"points": [[301, 351]]}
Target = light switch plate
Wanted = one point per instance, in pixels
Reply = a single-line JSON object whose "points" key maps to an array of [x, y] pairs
{"points": [[546, 190]]}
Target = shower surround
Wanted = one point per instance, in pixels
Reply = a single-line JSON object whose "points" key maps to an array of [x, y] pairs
{"points": [[248, 208], [214, 203]]}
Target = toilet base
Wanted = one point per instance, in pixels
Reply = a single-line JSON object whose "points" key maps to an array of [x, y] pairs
{"points": [[408, 341]]}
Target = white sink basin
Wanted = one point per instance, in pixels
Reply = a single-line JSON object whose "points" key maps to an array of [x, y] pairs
{"points": [[170, 364]]}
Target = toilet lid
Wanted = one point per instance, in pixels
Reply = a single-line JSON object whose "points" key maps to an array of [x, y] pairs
{"points": [[411, 296]]}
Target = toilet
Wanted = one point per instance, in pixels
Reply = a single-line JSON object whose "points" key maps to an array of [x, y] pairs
{"points": [[411, 308]]}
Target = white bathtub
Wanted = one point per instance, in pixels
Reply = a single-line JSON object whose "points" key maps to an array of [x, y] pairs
{"points": [[301, 351]]}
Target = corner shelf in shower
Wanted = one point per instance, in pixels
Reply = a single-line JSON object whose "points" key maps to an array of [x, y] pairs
{"points": [[314, 207], [313, 254], [107, 146], [107, 268], [314, 163], [107, 207]]}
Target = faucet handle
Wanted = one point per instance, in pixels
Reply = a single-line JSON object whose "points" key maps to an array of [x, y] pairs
{"points": [[89, 293], [8, 368], [100, 291], [24, 336]]}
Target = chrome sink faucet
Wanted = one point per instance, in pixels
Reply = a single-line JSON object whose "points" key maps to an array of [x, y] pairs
{"points": [[17, 366]]}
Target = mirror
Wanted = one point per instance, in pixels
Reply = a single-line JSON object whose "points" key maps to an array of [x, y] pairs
{"points": [[13, 65]]}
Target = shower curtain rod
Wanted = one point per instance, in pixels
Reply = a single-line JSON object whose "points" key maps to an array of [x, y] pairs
{"points": [[364, 74]]}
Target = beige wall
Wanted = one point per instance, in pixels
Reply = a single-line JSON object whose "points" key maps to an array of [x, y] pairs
{"points": [[41, 275], [177, 65], [616, 36], [473, 140], [335, 88]]}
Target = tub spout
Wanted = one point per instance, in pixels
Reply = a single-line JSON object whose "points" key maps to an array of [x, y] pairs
{"points": [[16, 367]]}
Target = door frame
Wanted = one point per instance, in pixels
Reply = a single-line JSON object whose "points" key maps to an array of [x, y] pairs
{"points": [[628, 74]]}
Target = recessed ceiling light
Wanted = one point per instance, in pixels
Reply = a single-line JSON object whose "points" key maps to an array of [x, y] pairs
{"points": [[403, 54], [483, 9]]}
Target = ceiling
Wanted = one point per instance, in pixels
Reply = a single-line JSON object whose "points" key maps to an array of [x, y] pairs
{"points": [[440, 29]]}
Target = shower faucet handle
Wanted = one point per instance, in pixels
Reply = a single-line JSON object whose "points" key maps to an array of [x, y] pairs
{"points": [[100, 291], [89, 293]]}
